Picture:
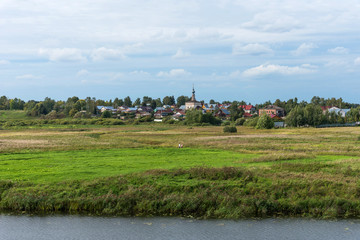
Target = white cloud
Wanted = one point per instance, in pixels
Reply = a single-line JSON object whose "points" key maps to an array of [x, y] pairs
{"points": [[28, 76], [107, 54], [272, 21], [278, 69], [82, 72], [141, 72], [336, 63], [173, 73], [338, 50], [357, 61], [3, 62], [251, 49], [181, 54], [63, 54], [304, 49]]}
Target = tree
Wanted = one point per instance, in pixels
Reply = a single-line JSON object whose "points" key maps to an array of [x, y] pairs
{"points": [[118, 102], [137, 102], [235, 111], [264, 122], [158, 102], [106, 114], [181, 100], [212, 101], [353, 115], [4, 103], [127, 101], [196, 116], [313, 115], [146, 100], [153, 104], [296, 117], [169, 100], [49, 104]]}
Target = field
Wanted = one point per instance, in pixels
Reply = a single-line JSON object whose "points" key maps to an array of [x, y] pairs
{"points": [[138, 170]]}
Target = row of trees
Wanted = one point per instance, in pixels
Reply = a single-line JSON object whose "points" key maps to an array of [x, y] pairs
{"points": [[312, 115], [299, 113]]}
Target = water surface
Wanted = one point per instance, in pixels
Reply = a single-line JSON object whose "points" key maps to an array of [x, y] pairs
{"points": [[95, 228]]}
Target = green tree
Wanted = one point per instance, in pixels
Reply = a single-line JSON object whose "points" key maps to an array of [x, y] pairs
{"points": [[296, 117], [181, 100], [137, 102], [127, 101], [313, 115], [106, 114], [353, 115], [265, 122], [235, 111], [118, 102], [146, 100], [169, 100]]}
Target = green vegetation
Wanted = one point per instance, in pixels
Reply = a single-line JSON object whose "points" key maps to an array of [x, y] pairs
{"points": [[138, 170], [230, 129], [264, 122]]}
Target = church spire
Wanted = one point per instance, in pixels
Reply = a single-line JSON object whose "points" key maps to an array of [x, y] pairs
{"points": [[193, 95]]}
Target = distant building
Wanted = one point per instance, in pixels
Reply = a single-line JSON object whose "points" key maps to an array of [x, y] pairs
{"points": [[338, 111], [272, 110], [193, 104], [248, 108]]}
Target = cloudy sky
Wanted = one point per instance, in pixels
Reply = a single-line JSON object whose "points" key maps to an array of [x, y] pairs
{"points": [[250, 50]]}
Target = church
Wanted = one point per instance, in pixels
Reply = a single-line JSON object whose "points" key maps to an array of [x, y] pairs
{"points": [[193, 104]]}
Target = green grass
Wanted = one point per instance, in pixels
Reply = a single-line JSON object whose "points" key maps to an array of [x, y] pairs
{"points": [[138, 170], [13, 115], [44, 167]]}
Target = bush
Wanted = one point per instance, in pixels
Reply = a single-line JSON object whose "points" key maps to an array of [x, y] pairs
{"points": [[265, 122], [230, 129], [239, 121], [251, 122]]}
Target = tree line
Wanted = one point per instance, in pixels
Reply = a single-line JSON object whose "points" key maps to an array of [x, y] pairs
{"points": [[299, 113]]}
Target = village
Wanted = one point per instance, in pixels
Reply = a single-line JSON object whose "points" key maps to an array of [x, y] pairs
{"points": [[219, 110]]}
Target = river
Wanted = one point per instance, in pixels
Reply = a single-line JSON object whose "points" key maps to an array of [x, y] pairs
{"points": [[97, 228]]}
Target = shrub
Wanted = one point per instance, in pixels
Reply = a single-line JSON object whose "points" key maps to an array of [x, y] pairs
{"points": [[230, 129], [265, 122], [239, 121], [251, 122]]}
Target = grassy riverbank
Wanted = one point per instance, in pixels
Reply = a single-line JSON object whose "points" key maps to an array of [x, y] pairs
{"points": [[137, 170]]}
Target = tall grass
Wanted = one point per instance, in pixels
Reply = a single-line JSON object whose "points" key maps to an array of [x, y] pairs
{"points": [[207, 193]]}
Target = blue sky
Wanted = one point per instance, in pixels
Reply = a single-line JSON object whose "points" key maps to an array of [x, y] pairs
{"points": [[231, 50]]}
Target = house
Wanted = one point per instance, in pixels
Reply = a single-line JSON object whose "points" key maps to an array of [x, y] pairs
{"points": [[272, 110], [248, 108], [325, 108], [179, 114], [163, 113], [131, 110], [222, 113], [247, 115], [210, 107], [338, 111], [147, 109], [106, 108]]}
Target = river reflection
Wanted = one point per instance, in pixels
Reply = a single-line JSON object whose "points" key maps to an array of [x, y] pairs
{"points": [[89, 228]]}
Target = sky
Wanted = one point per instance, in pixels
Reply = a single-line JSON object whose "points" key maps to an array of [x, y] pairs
{"points": [[252, 50]]}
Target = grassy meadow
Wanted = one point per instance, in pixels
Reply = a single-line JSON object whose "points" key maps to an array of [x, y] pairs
{"points": [[138, 170]]}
